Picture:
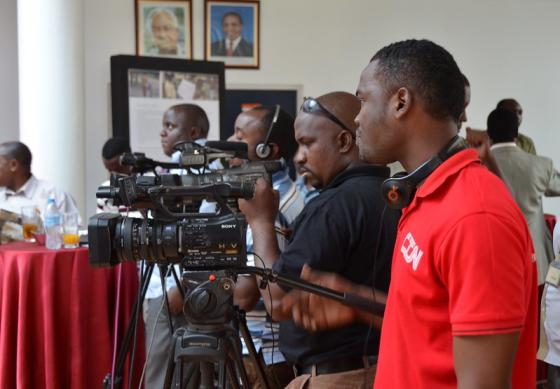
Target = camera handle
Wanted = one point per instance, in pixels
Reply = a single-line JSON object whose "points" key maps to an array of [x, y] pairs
{"points": [[348, 299]]}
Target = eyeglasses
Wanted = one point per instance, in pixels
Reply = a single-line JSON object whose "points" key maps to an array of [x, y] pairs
{"points": [[311, 105]]}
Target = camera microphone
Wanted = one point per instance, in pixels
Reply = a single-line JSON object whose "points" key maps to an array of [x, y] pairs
{"points": [[227, 146]]}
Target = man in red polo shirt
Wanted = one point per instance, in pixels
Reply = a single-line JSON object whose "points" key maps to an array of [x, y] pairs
{"points": [[461, 310]]}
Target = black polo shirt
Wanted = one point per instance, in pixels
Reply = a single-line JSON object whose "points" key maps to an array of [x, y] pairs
{"points": [[337, 232]]}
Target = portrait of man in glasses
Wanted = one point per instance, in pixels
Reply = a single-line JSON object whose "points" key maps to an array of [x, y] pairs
{"points": [[164, 32]]}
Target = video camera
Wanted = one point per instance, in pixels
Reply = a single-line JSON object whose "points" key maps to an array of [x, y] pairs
{"points": [[194, 217]]}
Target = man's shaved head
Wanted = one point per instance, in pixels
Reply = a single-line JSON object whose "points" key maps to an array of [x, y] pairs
{"points": [[343, 105]]}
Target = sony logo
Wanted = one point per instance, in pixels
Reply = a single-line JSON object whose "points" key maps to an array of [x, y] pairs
{"points": [[228, 226]]}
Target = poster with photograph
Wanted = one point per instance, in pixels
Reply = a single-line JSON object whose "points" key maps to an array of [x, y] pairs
{"points": [[144, 88]]}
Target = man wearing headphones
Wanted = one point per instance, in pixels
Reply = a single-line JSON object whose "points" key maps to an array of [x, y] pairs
{"points": [[269, 135], [462, 306], [344, 229]]}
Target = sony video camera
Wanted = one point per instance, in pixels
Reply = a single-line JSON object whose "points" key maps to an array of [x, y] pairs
{"points": [[191, 219]]}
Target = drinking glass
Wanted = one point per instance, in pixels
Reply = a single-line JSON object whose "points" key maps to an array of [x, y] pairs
{"points": [[31, 222], [70, 236]]}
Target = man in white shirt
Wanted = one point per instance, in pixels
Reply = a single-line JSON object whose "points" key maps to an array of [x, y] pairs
{"points": [[20, 188], [180, 123]]}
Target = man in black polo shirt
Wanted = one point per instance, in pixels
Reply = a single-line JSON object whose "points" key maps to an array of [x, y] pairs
{"points": [[346, 230]]}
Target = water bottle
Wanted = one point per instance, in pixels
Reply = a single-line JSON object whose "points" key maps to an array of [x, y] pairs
{"points": [[53, 226]]}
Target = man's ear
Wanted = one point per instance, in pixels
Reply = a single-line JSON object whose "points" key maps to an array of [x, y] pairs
{"points": [[345, 141], [196, 133], [401, 102], [13, 165], [274, 150]]}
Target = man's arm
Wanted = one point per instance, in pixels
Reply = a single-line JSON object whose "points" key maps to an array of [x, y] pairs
{"points": [[553, 184], [246, 293], [484, 362], [260, 213], [315, 313], [479, 140]]}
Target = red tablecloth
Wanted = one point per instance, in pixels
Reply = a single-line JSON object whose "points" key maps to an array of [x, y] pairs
{"points": [[550, 221], [57, 317]]}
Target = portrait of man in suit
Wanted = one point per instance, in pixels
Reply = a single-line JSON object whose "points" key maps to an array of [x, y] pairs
{"points": [[232, 32], [233, 44]]}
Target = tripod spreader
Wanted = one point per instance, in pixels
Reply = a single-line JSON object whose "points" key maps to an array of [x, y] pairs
{"points": [[349, 299]]}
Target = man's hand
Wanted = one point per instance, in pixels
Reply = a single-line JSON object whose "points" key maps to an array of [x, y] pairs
{"points": [[476, 137], [315, 313], [175, 301], [479, 140], [263, 207]]}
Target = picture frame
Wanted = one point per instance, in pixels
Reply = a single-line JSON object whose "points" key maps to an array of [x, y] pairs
{"points": [[163, 28], [144, 88], [232, 33]]}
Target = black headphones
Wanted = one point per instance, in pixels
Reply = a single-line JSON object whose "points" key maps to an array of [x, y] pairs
{"points": [[398, 191], [263, 149]]}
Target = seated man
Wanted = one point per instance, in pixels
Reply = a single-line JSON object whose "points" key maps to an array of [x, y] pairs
{"points": [[345, 229], [110, 154], [180, 123], [254, 127], [20, 188]]}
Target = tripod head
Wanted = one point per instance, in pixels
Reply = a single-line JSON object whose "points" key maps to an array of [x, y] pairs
{"points": [[208, 297]]}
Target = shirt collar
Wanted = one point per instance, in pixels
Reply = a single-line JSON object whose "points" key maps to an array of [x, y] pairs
{"points": [[281, 181], [234, 42], [27, 190], [447, 169], [365, 170], [502, 145]]}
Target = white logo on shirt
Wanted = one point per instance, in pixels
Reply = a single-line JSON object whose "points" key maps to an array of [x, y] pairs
{"points": [[411, 252]]}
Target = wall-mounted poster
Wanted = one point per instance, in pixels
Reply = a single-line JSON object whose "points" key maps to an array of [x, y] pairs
{"points": [[144, 88], [164, 28], [232, 32]]}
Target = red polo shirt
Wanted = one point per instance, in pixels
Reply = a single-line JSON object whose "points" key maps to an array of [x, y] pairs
{"points": [[463, 265]]}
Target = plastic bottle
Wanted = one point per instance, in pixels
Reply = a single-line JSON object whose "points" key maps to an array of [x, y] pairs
{"points": [[53, 226]]}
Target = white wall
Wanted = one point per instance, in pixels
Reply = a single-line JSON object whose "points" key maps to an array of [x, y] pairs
{"points": [[9, 120], [507, 48]]}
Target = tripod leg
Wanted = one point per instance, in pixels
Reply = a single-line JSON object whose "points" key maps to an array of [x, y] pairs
{"points": [[163, 274], [235, 356], [257, 361], [133, 322], [192, 378], [234, 381], [206, 375], [171, 361]]}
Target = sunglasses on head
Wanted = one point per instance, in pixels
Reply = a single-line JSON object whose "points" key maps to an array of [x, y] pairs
{"points": [[311, 105]]}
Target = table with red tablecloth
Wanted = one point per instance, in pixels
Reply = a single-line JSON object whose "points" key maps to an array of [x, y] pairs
{"points": [[60, 318]]}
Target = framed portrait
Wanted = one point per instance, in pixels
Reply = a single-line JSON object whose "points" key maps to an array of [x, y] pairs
{"points": [[144, 88], [232, 32], [164, 28]]}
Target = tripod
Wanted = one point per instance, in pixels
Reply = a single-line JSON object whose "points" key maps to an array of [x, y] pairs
{"points": [[207, 352], [209, 338]]}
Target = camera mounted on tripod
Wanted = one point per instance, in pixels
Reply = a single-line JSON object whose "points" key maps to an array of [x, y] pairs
{"points": [[194, 218]]}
